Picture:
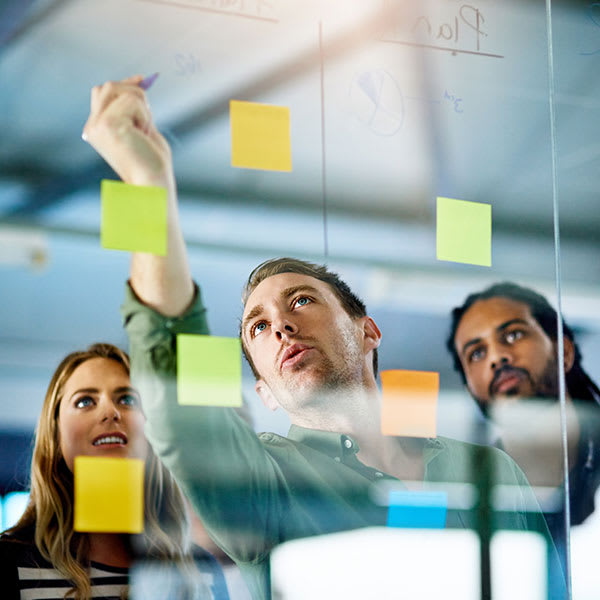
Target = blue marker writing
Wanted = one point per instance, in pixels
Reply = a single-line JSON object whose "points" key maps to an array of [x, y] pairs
{"points": [[147, 82]]}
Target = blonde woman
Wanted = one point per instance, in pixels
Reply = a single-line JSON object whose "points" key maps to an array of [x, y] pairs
{"points": [[91, 409]]}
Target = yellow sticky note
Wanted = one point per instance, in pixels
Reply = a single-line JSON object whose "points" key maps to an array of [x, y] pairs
{"points": [[134, 217], [260, 136], [409, 403], [109, 494], [209, 370], [464, 231]]}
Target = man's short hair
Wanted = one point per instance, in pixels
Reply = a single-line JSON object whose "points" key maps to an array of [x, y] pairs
{"points": [[352, 304], [578, 382]]}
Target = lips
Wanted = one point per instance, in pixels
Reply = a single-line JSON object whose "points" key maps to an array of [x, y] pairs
{"points": [[293, 355], [506, 379], [111, 438]]}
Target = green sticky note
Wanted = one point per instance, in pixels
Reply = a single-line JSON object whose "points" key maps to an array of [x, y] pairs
{"points": [[134, 217], [464, 232], [109, 494], [260, 136], [209, 370]]}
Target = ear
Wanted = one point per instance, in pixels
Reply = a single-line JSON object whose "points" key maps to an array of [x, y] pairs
{"points": [[266, 395], [569, 354], [372, 335]]}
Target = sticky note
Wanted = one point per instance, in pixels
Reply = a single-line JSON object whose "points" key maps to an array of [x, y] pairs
{"points": [[260, 136], [464, 232], [409, 403], [209, 370], [417, 510], [109, 494], [134, 217]]}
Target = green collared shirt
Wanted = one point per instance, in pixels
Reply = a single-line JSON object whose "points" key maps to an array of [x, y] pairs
{"points": [[256, 491]]}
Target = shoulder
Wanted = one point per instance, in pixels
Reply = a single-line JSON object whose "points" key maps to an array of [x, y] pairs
{"points": [[19, 548], [469, 457], [17, 553]]}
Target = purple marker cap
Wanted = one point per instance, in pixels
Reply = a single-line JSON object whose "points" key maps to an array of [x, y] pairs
{"points": [[148, 81]]}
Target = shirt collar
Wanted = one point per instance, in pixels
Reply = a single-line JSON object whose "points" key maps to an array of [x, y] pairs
{"points": [[328, 442], [334, 444]]}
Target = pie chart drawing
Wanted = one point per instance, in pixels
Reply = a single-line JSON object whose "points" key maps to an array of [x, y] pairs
{"points": [[377, 102]]}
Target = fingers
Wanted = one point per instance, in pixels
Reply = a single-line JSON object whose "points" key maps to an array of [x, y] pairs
{"points": [[103, 95], [135, 79], [120, 128]]}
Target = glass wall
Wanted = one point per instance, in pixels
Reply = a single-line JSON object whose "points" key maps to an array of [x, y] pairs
{"points": [[439, 156]]}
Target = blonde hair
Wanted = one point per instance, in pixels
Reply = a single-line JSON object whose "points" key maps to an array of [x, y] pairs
{"points": [[50, 508]]}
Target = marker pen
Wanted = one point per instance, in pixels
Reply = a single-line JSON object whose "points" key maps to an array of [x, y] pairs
{"points": [[147, 82]]}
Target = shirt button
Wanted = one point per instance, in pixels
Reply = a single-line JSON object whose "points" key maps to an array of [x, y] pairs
{"points": [[348, 444], [337, 459], [169, 323], [378, 474]]}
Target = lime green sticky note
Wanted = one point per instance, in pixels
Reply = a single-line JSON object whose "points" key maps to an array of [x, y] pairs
{"points": [[109, 494], [209, 370], [464, 231], [134, 217], [260, 136]]}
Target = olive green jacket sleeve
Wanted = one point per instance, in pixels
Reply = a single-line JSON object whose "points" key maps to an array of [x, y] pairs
{"points": [[233, 483]]}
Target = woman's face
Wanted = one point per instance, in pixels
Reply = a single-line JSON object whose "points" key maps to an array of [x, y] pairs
{"points": [[100, 413]]}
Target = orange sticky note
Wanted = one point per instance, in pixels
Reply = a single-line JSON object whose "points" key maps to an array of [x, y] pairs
{"points": [[409, 406], [109, 494], [260, 136]]}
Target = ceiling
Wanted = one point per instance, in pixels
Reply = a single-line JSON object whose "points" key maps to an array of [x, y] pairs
{"points": [[392, 103]]}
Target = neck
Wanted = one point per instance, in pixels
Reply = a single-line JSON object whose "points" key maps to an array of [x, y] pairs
{"points": [[357, 413], [353, 410], [109, 549]]}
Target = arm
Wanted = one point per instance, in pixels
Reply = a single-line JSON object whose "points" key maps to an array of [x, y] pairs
{"points": [[121, 130], [234, 484], [231, 480]]}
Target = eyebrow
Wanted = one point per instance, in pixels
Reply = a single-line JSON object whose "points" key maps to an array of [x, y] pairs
{"points": [[500, 328], [285, 293], [118, 390]]}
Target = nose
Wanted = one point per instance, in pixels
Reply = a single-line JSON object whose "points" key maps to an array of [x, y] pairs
{"points": [[284, 327], [499, 357], [110, 412]]}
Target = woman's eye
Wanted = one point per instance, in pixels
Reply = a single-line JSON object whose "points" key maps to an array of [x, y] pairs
{"points": [[303, 301], [129, 400], [83, 402], [259, 328]]}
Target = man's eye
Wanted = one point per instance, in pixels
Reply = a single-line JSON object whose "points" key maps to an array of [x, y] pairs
{"points": [[302, 301], [476, 355], [259, 328], [513, 336], [84, 402]]}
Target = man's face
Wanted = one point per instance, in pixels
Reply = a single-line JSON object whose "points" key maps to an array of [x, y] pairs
{"points": [[505, 353], [301, 340]]}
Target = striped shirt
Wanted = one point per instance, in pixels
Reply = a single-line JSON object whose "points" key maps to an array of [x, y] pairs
{"points": [[26, 575], [40, 583]]}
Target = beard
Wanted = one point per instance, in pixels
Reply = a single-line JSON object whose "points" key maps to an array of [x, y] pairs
{"points": [[323, 381], [544, 388]]}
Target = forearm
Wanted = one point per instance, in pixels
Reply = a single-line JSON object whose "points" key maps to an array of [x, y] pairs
{"points": [[164, 282], [121, 129], [227, 474]]}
